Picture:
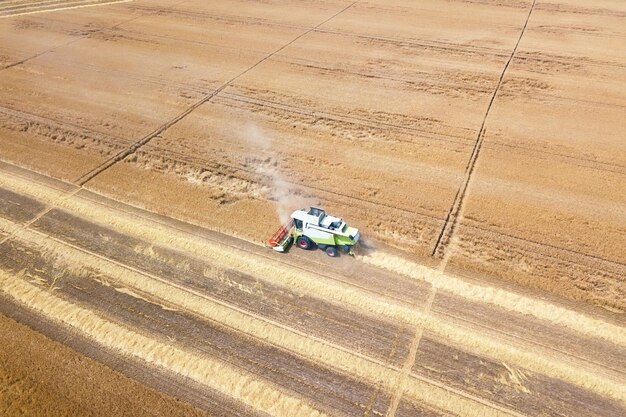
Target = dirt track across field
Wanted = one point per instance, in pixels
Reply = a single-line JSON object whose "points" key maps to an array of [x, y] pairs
{"points": [[227, 325], [478, 146]]}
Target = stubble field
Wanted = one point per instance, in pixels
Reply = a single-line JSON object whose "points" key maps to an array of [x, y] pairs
{"points": [[150, 147]]}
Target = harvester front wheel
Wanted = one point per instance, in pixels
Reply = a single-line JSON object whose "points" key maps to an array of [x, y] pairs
{"points": [[332, 251], [304, 242]]}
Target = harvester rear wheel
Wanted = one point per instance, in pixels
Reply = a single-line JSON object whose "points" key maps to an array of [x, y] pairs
{"points": [[304, 242], [332, 251]]}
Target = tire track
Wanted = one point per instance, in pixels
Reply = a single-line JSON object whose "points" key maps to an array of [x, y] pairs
{"points": [[456, 209], [410, 360], [371, 122]]}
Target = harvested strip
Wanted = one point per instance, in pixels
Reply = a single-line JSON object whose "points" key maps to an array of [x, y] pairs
{"points": [[502, 298], [333, 392], [46, 193], [560, 339], [529, 392], [206, 307], [215, 374], [313, 349], [18, 208], [368, 335]]}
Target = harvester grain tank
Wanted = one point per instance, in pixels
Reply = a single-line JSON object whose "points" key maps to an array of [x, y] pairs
{"points": [[313, 228]]}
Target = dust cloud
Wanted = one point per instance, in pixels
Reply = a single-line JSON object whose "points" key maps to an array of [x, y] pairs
{"points": [[282, 192]]}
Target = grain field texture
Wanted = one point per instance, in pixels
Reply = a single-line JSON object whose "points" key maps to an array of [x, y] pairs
{"points": [[148, 149]]}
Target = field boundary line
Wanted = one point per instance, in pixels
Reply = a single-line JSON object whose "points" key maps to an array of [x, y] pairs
{"points": [[447, 231], [88, 176]]}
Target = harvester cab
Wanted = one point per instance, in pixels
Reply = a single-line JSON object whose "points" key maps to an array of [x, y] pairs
{"points": [[313, 228]]}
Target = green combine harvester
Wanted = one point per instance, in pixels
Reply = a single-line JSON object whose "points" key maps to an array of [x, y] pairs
{"points": [[313, 228]]}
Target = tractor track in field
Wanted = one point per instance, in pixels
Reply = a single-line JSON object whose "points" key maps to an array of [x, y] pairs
{"points": [[289, 108], [439, 137], [450, 222]]}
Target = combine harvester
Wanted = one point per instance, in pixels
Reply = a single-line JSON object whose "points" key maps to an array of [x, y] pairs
{"points": [[313, 228]]}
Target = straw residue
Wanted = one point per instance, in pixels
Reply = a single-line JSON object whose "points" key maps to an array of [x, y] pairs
{"points": [[501, 298], [247, 388]]}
